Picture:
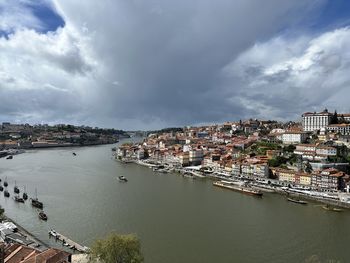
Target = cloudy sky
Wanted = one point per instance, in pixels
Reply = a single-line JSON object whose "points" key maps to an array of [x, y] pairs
{"points": [[146, 64]]}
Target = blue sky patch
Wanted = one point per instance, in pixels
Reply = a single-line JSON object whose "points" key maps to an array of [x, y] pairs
{"points": [[49, 18]]}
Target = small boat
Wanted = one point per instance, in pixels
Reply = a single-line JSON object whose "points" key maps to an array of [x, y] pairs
{"points": [[298, 201], [1, 188], [18, 199], [74, 154], [42, 215], [122, 178], [16, 189], [52, 233], [6, 193], [9, 157], [330, 208]]}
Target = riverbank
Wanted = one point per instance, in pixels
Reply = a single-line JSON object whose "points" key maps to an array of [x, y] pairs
{"points": [[264, 185]]}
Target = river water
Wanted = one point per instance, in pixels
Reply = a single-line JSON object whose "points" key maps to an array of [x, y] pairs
{"points": [[177, 219]]}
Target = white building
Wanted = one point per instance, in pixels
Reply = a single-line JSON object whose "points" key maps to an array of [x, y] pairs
{"points": [[315, 153], [293, 137], [316, 121], [343, 128], [326, 150]]}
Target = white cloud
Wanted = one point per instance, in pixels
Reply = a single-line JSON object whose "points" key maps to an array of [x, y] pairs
{"points": [[285, 77], [45, 76]]}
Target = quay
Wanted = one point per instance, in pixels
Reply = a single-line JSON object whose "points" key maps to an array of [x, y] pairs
{"points": [[21, 235], [266, 185], [307, 196], [67, 242]]}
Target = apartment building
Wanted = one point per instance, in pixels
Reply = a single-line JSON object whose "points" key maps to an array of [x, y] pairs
{"points": [[329, 180]]}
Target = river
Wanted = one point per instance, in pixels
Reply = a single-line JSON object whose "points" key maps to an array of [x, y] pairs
{"points": [[177, 219]]}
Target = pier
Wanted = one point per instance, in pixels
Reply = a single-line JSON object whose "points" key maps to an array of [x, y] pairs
{"points": [[67, 242]]}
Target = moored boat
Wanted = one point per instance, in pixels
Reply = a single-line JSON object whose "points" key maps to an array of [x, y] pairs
{"points": [[52, 233], [298, 201], [18, 199], [1, 188], [5, 182], [242, 189], [9, 157], [42, 215], [6, 193], [330, 208], [16, 189], [36, 203], [25, 195]]}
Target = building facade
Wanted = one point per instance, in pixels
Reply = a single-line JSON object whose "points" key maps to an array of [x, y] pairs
{"points": [[316, 121], [329, 180]]}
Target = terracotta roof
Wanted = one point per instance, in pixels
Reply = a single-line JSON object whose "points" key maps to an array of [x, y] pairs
{"points": [[16, 253]]}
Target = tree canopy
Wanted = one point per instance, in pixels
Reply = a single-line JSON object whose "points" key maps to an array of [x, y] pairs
{"points": [[117, 248]]}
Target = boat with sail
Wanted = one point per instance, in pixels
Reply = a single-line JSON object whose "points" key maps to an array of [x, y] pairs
{"points": [[18, 199], [6, 193], [36, 203], [16, 189], [25, 195], [5, 182]]}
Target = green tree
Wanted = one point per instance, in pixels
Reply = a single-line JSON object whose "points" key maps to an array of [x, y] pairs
{"points": [[117, 248], [334, 118], [278, 161], [290, 148], [308, 167]]}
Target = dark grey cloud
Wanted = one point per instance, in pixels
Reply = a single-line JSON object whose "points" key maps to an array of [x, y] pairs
{"points": [[168, 55]]}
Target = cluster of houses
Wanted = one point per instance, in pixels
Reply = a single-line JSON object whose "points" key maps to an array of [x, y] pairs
{"points": [[227, 148], [24, 136]]}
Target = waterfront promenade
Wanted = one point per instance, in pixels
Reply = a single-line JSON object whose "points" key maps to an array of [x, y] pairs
{"points": [[263, 184]]}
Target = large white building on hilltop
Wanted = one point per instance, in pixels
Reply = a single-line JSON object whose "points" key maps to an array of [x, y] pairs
{"points": [[315, 121]]}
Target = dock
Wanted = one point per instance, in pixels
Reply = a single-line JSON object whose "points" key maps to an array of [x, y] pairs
{"points": [[67, 242]]}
